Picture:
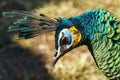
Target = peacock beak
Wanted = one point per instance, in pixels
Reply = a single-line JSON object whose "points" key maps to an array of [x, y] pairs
{"points": [[58, 54], [56, 57]]}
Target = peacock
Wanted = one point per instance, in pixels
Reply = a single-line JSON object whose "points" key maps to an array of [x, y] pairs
{"points": [[99, 29]]}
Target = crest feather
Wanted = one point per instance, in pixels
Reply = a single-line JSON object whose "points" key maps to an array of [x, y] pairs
{"points": [[29, 25]]}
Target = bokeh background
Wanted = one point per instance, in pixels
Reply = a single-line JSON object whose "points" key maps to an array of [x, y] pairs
{"points": [[31, 59]]}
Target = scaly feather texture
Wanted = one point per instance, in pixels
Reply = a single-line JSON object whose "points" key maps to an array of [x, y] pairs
{"points": [[100, 31], [29, 24]]}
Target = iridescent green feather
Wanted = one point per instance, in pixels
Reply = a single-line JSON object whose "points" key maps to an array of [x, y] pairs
{"points": [[106, 46], [101, 33]]}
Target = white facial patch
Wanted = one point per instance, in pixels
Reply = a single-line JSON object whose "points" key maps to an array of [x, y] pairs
{"points": [[67, 33]]}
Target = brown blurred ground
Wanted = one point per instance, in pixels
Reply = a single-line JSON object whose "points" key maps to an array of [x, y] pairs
{"points": [[17, 63]]}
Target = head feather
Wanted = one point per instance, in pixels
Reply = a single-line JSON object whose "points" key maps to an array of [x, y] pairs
{"points": [[29, 25]]}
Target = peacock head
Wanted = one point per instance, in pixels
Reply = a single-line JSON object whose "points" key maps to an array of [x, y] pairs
{"points": [[67, 37]]}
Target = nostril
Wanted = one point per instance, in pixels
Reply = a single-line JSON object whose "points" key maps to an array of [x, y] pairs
{"points": [[55, 54]]}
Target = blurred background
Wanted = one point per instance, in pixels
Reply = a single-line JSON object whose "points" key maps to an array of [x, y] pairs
{"points": [[31, 59]]}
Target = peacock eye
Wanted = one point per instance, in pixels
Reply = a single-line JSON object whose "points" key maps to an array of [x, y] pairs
{"points": [[64, 41]]}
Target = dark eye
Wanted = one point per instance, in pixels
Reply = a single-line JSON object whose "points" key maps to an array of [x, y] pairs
{"points": [[64, 41]]}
